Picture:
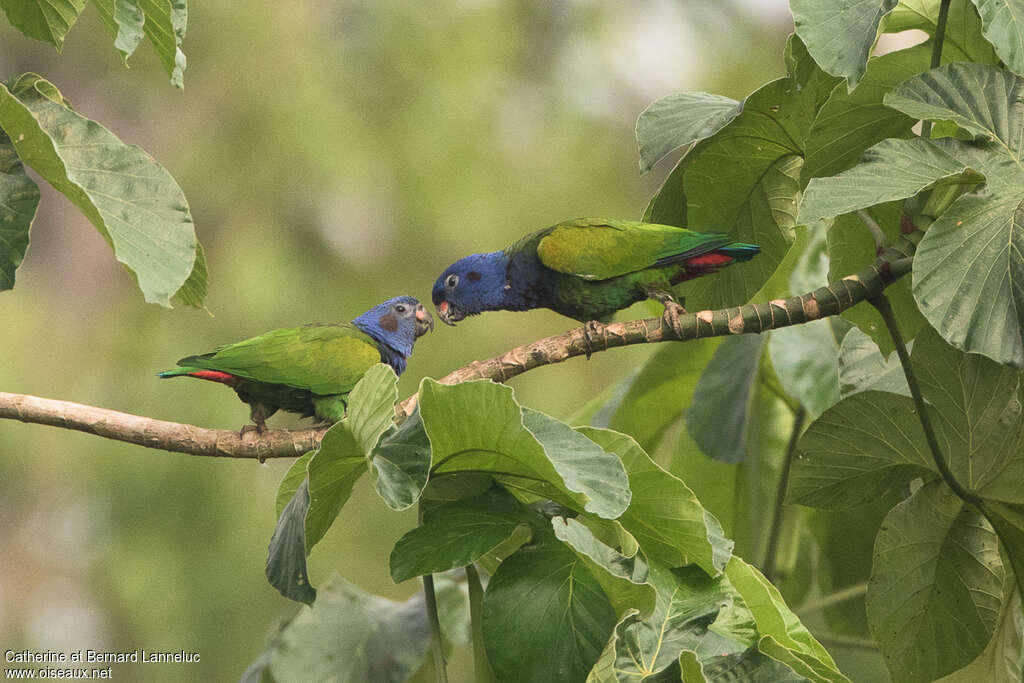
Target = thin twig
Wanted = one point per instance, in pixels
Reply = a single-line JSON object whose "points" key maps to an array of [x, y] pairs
{"points": [[939, 38], [481, 665], [850, 592], [780, 495], [874, 227], [881, 303], [436, 644]]}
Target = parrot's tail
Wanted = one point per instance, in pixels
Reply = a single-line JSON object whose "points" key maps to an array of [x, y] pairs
{"points": [[740, 251]]}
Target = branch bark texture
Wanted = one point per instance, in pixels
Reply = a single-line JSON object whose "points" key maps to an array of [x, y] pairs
{"points": [[892, 263]]}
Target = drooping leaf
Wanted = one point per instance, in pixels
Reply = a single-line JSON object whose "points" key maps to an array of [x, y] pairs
{"points": [[623, 579], [664, 515], [478, 426], [850, 122], [459, 533], [350, 636], [19, 197], [125, 19], [1003, 22], [333, 471], [678, 120], [864, 446], [840, 38], [132, 200], [963, 42], [48, 20], [892, 169], [371, 405], [936, 585], [295, 475], [806, 361], [1008, 521], [162, 21], [1002, 659], [402, 463], [558, 633], [286, 556], [979, 415], [718, 414], [863, 368]]}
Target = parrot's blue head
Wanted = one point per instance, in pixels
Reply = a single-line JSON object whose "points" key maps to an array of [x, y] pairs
{"points": [[395, 325], [471, 285]]}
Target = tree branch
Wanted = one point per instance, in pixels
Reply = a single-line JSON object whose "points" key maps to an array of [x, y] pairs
{"points": [[866, 285]]}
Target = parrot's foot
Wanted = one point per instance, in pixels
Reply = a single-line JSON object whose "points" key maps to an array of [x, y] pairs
{"points": [[673, 309], [592, 331], [260, 428]]}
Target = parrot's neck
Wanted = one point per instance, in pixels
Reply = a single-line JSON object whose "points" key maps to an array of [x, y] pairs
{"points": [[395, 347]]}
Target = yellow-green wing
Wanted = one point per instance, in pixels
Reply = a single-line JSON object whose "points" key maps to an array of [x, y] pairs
{"points": [[325, 359], [598, 249]]}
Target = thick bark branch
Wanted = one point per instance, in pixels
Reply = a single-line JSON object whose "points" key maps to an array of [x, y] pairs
{"points": [[892, 264]]}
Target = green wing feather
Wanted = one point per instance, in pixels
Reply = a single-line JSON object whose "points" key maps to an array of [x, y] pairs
{"points": [[598, 249], [325, 359]]}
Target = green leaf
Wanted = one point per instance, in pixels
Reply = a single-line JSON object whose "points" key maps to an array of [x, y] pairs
{"points": [[661, 391], [678, 120], [864, 446], [718, 415], [936, 585], [350, 636], [963, 42], [132, 200], [371, 405], [456, 534], [401, 462], [840, 38], [555, 635], [333, 471], [48, 20], [806, 361], [286, 556], [193, 292], [19, 197], [478, 426], [782, 636], [1003, 22], [1001, 659], [623, 579], [850, 122], [1008, 521], [852, 248], [129, 20], [664, 515], [165, 28], [863, 368], [295, 475], [892, 169]]}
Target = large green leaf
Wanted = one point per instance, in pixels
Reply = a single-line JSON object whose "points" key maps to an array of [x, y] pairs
{"points": [[840, 38], [132, 200], [850, 122], [48, 20], [863, 368], [664, 515], [295, 475], [969, 268], [980, 419], [478, 426], [1003, 658], [678, 120], [19, 197], [162, 21], [963, 41], [545, 616], [371, 405], [1008, 521], [806, 361], [333, 471], [1003, 22], [286, 555], [781, 635], [936, 585], [718, 415], [864, 446], [125, 19], [350, 636], [402, 463], [458, 533], [623, 579], [892, 169]]}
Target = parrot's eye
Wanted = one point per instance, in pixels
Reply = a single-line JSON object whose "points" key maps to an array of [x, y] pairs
{"points": [[399, 308], [452, 281]]}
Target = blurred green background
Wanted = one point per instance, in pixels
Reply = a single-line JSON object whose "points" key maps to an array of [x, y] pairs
{"points": [[334, 154]]}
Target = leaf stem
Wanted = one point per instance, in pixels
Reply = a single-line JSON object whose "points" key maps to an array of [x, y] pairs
{"points": [[834, 598], [481, 667], [939, 38], [436, 646], [881, 303], [780, 494], [874, 227]]}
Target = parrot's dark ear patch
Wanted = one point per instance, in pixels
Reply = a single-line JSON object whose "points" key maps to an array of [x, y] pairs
{"points": [[389, 322], [473, 276]]}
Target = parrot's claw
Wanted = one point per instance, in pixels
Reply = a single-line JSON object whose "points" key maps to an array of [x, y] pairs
{"points": [[671, 316], [260, 428], [592, 331]]}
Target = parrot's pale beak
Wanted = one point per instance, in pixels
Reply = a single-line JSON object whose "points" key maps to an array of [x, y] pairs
{"points": [[447, 314], [424, 321]]}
